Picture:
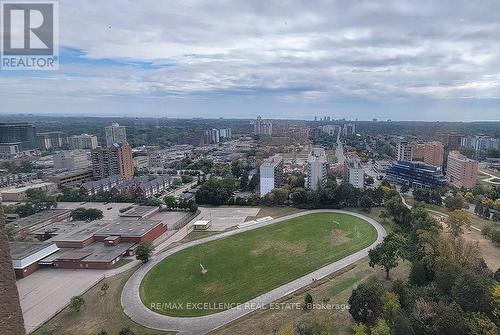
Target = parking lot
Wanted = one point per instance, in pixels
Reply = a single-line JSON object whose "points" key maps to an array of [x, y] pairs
{"points": [[110, 210], [47, 291], [222, 218]]}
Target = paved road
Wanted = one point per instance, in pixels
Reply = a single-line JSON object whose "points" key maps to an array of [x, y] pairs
{"points": [[135, 309]]}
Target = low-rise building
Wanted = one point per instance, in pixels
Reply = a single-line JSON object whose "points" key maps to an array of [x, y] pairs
{"points": [[71, 178], [26, 255], [25, 226], [102, 185], [71, 160], [15, 194]]}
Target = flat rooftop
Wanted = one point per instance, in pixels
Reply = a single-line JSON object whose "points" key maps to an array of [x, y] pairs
{"points": [[20, 250], [25, 188], [38, 218], [139, 211], [128, 228], [120, 227], [95, 252]]}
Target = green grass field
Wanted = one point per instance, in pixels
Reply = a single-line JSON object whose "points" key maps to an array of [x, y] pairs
{"points": [[246, 265]]}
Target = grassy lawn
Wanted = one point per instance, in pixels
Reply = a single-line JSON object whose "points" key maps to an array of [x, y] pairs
{"points": [[100, 311], [275, 212], [334, 290], [196, 235], [121, 263], [246, 265]]}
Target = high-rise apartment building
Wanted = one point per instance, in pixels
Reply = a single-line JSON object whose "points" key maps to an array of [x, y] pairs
{"points": [[317, 167], [451, 141], [262, 127], [51, 140], [349, 129], [404, 150], [225, 133], [480, 142], [23, 135], [271, 174], [353, 171], [213, 136], [460, 170], [430, 153], [83, 141], [114, 160], [115, 134], [71, 160]]}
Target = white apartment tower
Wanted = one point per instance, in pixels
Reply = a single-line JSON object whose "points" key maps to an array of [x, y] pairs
{"points": [[271, 174], [115, 134], [353, 172], [316, 168], [404, 150]]}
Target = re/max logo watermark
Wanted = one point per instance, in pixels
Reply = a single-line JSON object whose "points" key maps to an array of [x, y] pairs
{"points": [[30, 35]]}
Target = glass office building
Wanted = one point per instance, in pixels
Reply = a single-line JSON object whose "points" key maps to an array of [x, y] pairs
{"points": [[415, 174], [22, 134]]}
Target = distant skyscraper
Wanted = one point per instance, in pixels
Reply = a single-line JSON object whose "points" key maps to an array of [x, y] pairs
{"points": [[83, 141], [404, 150], [316, 168], [114, 160], [115, 134], [461, 171], [271, 174], [51, 140], [349, 129], [262, 127], [480, 143], [213, 136]]}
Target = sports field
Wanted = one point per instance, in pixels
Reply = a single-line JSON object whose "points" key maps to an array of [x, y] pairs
{"points": [[243, 266]]}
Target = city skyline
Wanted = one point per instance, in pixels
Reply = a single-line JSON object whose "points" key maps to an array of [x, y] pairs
{"points": [[393, 60]]}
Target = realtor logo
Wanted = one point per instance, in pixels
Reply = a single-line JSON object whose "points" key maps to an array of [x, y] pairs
{"points": [[29, 35]]}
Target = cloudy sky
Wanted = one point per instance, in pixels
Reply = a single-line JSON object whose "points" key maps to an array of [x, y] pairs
{"points": [[403, 60]]}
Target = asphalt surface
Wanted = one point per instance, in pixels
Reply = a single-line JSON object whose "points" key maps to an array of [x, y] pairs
{"points": [[138, 312]]}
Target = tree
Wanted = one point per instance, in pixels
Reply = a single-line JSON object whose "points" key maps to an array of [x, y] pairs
{"points": [[366, 203], [236, 168], [144, 251], [360, 329], [480, 324], [391, 308], [104, 288], [365, 302], [402, 325], [102, 332], [495, 301], [387, 253], [86, 214], [76, 303], [456, 221], [170, 201], [380, 328], [244, 180], [384, 215], [405, 188], [472, 290], [126, 331], [39, 200], [454, 202], [308, 302]]}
